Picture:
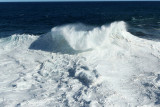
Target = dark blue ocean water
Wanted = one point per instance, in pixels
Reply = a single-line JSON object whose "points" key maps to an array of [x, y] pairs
{"points": [[143, 18]]}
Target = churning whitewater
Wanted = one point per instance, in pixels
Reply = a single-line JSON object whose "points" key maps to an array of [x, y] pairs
{"points": [[77, 65]]}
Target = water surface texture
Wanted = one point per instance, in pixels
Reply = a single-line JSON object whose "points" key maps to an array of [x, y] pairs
{"points": [[80, 54]]}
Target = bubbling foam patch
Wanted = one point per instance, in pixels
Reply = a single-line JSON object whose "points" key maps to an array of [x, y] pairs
{"points": [[121, 69]]}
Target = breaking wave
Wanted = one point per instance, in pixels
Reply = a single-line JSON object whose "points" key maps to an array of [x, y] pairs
{"points": [[104, 65], [75, 38], [81, 37]]}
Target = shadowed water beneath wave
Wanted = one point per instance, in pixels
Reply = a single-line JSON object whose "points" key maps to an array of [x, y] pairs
{"points": [[47, 43]]}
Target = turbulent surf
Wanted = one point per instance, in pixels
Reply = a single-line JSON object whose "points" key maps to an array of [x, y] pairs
{"points": [[80, 65]]}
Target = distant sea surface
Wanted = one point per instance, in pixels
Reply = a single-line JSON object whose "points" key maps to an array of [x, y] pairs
{"points": [[143, 18]]}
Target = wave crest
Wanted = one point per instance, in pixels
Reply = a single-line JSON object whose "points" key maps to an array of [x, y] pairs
{"points": [[17, 40], [85, 38]]}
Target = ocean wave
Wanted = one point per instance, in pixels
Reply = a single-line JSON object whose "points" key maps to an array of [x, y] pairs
{"points": [[16, 41], [76, 64], [80, 38], [75, 38]]}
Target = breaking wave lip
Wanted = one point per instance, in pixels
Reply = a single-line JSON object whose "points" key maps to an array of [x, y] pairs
{"points": [[75, 38], [17, 41], [80, 38]]}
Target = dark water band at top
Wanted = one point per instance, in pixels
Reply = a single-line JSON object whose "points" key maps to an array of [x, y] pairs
{"points": [[40, 17]]}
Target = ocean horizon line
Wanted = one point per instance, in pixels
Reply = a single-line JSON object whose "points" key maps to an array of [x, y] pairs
{"points": [[76, 1]]}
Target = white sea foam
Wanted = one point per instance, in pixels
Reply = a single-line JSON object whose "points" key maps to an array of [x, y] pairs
{"points": [[84, 39], [78, 65]]}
